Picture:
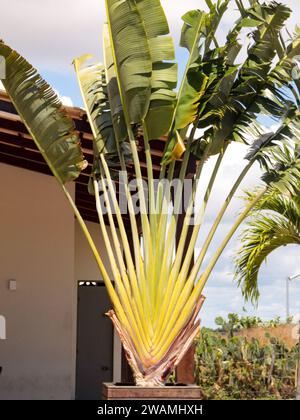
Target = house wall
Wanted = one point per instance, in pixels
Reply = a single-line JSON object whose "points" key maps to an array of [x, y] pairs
{"points": [[42, 247], [85, 265], [37, 239]]}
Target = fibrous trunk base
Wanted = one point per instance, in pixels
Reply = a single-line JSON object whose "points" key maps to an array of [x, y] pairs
{"points": [[156, 375], [149, 382]]}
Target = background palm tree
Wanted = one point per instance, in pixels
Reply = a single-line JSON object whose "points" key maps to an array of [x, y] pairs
{"points": [[274, 222]]}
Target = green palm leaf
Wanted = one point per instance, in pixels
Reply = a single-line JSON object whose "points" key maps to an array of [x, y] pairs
{"points": [[109, 130], [283, 169], [92, 82], [164, 71], [131, 56], [195, 81], [44, 116], [113, 91], [232, 114], [273, 223], [143, 52], [275, 219], [252, 92], [285, 205], [197, 33]]}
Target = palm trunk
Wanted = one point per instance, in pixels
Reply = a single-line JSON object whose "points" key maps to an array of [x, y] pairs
{"points": [[154, 373]]}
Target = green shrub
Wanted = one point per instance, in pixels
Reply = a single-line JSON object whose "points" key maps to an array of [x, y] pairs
{"points": [[235, 367]]}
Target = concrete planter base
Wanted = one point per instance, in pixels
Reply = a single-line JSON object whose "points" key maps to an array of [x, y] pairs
{"points": [[112, 391]]}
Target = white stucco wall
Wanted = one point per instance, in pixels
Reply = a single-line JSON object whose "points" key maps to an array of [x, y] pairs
{"points": [[42, 247], [37, 239], [85, 265]]}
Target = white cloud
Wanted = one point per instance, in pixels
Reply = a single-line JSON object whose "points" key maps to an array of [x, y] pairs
{"points": [[66, 100], [52, 33]]}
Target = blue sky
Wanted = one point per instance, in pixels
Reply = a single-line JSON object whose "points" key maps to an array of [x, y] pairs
{"points": [[51, 34]]}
